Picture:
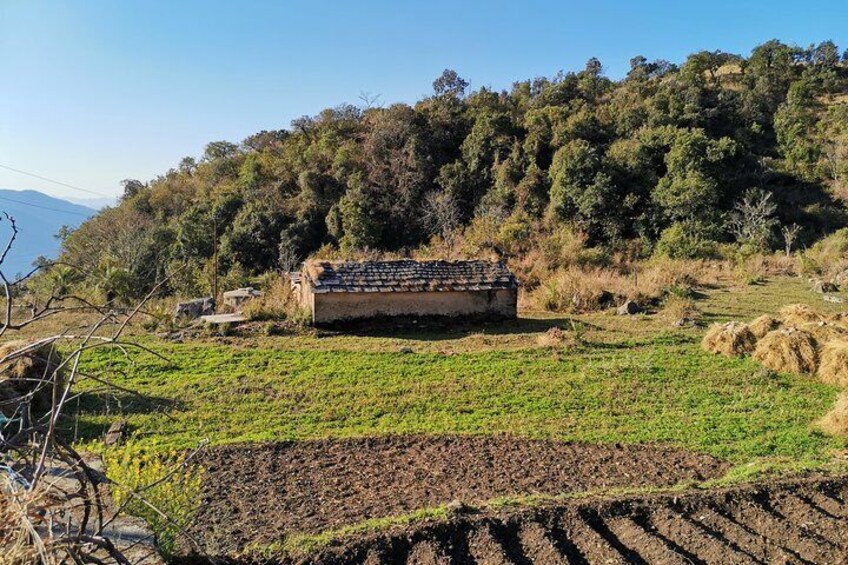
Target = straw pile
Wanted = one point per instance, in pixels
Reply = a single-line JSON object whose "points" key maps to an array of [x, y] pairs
{"points": [[27, 377], [788, 350], [834, 363], [730, 339], [799, 314], [835, 422], [763, 325]]}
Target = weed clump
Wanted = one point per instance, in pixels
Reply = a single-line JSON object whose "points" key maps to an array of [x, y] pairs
{"points": [[278, 303], [833, 368], [168, 482], [763, 325], [730, 339], [788, 350], [559, 338], [835, 422]]}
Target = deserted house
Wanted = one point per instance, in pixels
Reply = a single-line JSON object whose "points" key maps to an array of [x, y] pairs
{"points": [[339, 291]]}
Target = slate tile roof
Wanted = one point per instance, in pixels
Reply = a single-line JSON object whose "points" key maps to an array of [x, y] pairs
{"points": [[406, 275]]}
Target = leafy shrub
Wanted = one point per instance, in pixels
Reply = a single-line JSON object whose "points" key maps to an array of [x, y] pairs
{"points": [[159, 317], [827, 256], [165, 481], [686, 240]]}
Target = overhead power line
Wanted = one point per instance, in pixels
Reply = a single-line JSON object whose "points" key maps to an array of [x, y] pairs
{"points": [[43, 207], [60, 183]]}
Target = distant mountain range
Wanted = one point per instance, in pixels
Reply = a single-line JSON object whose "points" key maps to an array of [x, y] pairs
{"points": [[38, 217]]}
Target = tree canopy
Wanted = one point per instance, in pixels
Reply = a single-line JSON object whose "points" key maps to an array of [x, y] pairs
{"points": [[619, 161]]}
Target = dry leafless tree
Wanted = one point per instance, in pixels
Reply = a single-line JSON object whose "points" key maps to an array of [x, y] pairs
{"points": [[53, 506]]}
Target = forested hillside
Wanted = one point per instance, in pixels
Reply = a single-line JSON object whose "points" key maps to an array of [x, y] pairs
{"points": [[654, 163]]}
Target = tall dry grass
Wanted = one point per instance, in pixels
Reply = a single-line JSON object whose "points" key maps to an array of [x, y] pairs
{"points": [[21, 512], [581, 288]]}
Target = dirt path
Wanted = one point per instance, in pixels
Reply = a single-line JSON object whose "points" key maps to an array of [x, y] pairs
{"points": [[260, 493]]}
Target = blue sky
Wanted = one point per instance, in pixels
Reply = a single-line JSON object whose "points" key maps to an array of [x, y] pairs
{"points": [[95, 91]]}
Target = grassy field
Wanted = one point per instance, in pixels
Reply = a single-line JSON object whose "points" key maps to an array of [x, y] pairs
{"points": [[635, 380]]}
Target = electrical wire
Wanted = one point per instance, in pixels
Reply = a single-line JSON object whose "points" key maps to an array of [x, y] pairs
{"points": [[21, 202], [60, 183]]}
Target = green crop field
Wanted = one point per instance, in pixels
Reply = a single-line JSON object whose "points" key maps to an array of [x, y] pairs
{"points": [[632, 380]]}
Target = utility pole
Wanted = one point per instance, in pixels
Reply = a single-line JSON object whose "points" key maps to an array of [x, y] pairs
{"points": [[215, 261]]}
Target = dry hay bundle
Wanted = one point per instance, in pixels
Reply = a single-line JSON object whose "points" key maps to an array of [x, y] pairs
{"points": [[799, 314], [835, 422], [732, 338], [788, 350], [833, 368], [763, 325], [18, 506], [824, 331], [840, 319], [27, 375]]}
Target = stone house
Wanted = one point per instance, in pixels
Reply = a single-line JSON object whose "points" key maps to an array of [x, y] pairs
{"points": [[339, 291]]}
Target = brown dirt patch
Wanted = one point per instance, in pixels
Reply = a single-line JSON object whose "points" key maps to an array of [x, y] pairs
{"points": [[258, 493]]}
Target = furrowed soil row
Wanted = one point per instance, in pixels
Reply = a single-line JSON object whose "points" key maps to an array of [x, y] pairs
{"points": [[800, 521]]}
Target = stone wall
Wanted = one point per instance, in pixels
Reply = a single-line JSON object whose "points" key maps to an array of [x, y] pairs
{"points": [[339, 306]]}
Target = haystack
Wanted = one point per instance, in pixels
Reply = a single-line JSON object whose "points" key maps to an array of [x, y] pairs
{"points": [[840, 319], [799, 314], [833, 368], [763, 325], [835, 422], [788, 350], [732, 338], [824, 331], [24, 377]]}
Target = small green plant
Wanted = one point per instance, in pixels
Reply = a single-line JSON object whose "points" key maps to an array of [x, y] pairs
{"points": [[159, 317], [160, 488]]}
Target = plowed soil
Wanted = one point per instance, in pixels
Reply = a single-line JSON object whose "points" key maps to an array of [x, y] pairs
{"points": [[260, 493], [802, 521]]}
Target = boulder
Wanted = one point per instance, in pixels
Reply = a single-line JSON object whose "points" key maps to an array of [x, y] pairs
{"points": [[193, 309], [116, 433], [629, 308], [834, 299], [823, 287]]}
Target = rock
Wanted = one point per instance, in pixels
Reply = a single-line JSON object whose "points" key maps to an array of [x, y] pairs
{"points": [[834, 299], [841, 278], [823, 287], [116, 433], [235, 298], [629, 308], [193, 309], [406, 350], [685, 322]]}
